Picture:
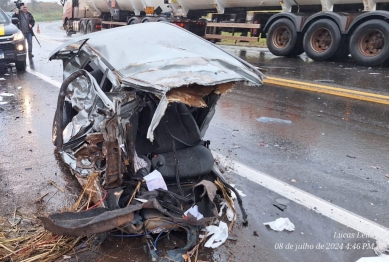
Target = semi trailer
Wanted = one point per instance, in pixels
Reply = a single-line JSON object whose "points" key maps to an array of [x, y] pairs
{"points": [[88, 16], [323, 29]]}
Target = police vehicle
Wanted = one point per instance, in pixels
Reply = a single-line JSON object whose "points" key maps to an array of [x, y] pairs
{"points": [[12, 43]]}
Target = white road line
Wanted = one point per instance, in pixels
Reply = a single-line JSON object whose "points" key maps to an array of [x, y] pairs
{"points": [[44, 77], [312, 202]]}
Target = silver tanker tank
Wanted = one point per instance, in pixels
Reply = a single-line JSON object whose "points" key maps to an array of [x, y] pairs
{"points": [[138, 6]]}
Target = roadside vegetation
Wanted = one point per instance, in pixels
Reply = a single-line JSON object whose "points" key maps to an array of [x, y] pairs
{"points": [[261, 41], [42, 11]]}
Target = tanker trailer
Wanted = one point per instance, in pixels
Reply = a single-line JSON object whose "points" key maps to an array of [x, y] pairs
{"points": [[88, 16], [323, 29]]}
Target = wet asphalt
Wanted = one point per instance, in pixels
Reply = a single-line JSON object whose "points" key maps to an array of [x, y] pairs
{"points": [[334, 148]]}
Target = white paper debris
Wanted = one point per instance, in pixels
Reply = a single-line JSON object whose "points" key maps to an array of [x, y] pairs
{"points": [[219, 235], [1, 78], [19, 87], [154, 180], [382, 249], [280, 224], [194, 211], [229, 212], [224, 204], [240, 192]]}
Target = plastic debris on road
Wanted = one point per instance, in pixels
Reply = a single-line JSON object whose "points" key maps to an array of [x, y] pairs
{"points": [[194, 211], [240, 192], [231, 215], [382, 250], [280, 224], [219, 235], [264, 119], [154, 180]]}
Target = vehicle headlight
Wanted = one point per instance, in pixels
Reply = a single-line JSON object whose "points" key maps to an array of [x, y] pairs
{"points": [[18, 36]]}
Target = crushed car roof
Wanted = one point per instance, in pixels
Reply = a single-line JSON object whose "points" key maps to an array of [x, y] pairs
{"points": [[174, 57]]}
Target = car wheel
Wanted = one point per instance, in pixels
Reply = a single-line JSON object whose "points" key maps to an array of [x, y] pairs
{"points": [[369, 45], [281, 37], [20, 66], [322, 40]]}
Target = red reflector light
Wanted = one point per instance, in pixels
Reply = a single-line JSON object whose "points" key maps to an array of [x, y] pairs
{"points": [[182, 24], [98, 26]]}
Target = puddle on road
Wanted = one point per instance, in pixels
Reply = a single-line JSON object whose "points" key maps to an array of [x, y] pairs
{"points": [[5, 98], [345, 73]]}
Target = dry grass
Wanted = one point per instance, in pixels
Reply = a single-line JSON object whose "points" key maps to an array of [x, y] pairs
{"points": [[33, 244], [27, 242]]}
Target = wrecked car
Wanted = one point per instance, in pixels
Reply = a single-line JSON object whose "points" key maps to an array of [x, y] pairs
{"points": [[132, 112]]}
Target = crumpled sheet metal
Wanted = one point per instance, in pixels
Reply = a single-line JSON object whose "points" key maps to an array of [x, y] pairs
{"points": [[100, 220], [161, 56], [88, 222]]}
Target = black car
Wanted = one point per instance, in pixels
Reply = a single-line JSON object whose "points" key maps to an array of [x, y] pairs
{"points": [[12, 43]]}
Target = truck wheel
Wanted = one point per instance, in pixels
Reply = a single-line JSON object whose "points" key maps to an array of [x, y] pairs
{"points": [[369, 45], [298, 47], [20, 66], [133, 21], [83, 27], [162, 19], [281, 37], [67, 28], [89, 27], [322, 40], [343, 50]]}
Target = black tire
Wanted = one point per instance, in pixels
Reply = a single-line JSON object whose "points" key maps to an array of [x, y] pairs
{"points": [[67, 28], [298, 47], [89, 27], [20, 66], [162, 19], [282, 37], [343, 50], [322, 40], [83, 27], [369, 44], [133, 21]]}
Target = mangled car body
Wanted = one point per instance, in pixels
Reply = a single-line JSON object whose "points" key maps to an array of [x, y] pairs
{"points": [[131, 116]]}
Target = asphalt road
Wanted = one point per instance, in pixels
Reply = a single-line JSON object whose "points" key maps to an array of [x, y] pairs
{"points": [[331, 151]]}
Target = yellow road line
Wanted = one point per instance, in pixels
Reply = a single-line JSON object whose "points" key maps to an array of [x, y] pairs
{"points": [[364, 96]]}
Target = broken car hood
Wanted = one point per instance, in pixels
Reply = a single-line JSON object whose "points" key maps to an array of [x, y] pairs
{"points": [[174, 57]]}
